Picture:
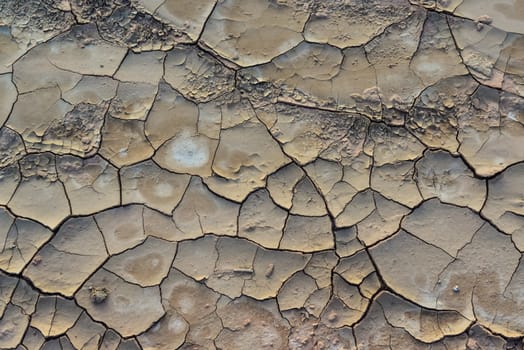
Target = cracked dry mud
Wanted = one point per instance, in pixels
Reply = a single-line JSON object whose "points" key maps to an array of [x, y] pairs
{"points": [[262, 174]]}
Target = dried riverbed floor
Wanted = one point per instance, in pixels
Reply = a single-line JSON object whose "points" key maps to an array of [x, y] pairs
{"points": [[261, 174]]}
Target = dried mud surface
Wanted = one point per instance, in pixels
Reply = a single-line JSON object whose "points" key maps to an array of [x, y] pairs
{"points": [[261, 174]]}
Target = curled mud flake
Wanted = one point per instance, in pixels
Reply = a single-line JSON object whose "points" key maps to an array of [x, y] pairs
{"points": [[332, 317], [269, 270], [37, 260], [482, 20], [99, 294]]}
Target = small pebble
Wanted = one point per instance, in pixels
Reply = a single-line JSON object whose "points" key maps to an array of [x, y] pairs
{"points": [[332, 316], [269, 270], [485, 19]]}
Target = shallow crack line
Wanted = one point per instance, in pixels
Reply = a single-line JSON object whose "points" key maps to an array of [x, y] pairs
{"points": [[215, 151], [459, 251], [521, 259], [66, 30], [428, 243], [341, 112], [101, 235], [11, 109], [419, 43], [406, 331], [206, 22], [52, 318], [284, 229], [13, 221]]}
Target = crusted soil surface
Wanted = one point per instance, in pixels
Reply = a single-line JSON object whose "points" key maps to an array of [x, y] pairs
{"points": [[262, 174]]}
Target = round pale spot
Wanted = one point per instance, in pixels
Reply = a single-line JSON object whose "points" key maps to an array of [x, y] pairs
{"points": [[189, 152], [163, 190]]}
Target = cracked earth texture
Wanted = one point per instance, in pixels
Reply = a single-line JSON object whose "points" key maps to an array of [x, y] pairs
{"points": [[262, 174]]}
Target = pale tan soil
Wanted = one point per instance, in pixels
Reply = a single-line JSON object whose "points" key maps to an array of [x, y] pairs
{"points": [[262, 174]]}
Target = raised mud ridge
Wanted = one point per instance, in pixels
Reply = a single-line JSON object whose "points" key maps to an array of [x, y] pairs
{"points": [[262, 174]]}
